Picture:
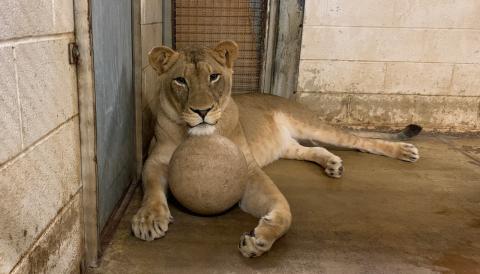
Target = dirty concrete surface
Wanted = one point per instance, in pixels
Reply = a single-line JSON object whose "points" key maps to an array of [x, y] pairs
{"points": [[383, 216]]}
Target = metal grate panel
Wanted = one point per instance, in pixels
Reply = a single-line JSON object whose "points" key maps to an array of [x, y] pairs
{"points": [[206, 22]]}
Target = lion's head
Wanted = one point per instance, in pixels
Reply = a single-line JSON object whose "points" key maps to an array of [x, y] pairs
{"points": [[195, 83]]}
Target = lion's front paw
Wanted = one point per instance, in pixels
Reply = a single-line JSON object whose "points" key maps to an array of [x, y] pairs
{"points": [[407, 152], [151, 221], [334, 167], [251, 246]]}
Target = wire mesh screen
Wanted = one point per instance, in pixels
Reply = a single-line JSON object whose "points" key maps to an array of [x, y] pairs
{"points": [[206, 22]]}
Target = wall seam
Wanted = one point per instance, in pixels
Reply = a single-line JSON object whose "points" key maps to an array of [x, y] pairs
{"points": [[19, 103], [451, 78], [385, 77], [151, 23], [38, 142], [389, 61], [54, 17], [36, 38], [59, 215], [392, 27]]}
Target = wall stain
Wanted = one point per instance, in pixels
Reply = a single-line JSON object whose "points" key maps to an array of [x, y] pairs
{"points": [[39, 259]]}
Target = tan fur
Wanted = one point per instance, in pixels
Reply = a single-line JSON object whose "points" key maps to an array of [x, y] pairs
{"points": [[264, 127]]}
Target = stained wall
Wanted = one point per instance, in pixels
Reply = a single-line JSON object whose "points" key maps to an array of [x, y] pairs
{"points": [[389, 63]]}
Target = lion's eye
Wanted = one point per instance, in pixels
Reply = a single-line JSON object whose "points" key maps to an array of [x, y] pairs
{"points": [[181, 81], [214, 77]]}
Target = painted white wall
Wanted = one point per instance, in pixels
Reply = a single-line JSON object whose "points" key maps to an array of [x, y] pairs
{"points": [[390, 63], [39, 139]]}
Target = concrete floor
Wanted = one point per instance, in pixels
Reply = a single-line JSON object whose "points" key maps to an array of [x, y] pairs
{"points": [[383, 216]]}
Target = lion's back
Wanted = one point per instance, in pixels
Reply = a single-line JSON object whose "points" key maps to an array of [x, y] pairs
{"points": [[257, 117]]}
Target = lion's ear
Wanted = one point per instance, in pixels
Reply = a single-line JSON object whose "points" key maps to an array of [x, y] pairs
{"points": [[227, 51], [162, 58]]}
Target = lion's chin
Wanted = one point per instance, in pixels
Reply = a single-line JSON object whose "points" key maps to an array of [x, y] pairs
{"points": [[202, 129]]}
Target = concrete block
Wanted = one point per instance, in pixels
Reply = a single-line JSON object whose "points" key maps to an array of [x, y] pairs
{"points": [[28, 18], [341, 76], [390, 44], [8, 26], [35, 187], [443, 113], [151, 37], [151, 11], [398, 13], [24, 17], [63, 16], [59, 250], [436, 14], [418, 78], [466, 80], [348, 13], [344, 43], [451, 46], [330, 107], [448, 112], [47, 86], [10, 125], [381, 110]]}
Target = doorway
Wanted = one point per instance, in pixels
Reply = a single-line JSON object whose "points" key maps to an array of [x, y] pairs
{"points": [[268, 33], [208, 22]]}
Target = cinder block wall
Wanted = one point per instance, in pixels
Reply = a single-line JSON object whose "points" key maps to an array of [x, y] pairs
{"points": [[40, 208], [389, 63], [151, 32]]}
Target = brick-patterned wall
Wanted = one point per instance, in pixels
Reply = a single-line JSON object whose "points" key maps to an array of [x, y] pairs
{"points": [[39, 139], [390, 63], [151, 31]]}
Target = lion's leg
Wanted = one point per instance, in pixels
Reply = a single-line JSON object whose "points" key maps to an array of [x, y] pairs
{"points": [[152, 219], [332, 163], [314, 130], [262, 199]]}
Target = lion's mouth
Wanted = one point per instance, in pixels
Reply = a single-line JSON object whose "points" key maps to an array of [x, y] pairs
{"points": [[202, 128], [203, 124]]}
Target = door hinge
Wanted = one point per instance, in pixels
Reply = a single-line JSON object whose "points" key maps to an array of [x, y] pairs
{"points": [[73, 53]]}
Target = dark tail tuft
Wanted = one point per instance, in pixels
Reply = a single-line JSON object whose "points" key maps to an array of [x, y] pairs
{"points": [[410, 131]]}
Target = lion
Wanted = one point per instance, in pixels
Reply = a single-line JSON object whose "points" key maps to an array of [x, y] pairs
{"points": [[195, 98]]}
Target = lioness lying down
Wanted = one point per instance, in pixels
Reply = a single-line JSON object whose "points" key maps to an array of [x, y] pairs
{"points": [[195, 98]]}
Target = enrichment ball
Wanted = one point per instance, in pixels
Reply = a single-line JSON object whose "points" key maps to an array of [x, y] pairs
{"points": [[207, 174]]}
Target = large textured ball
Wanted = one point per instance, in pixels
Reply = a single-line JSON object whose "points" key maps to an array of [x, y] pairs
{"points": [[207, 174]]}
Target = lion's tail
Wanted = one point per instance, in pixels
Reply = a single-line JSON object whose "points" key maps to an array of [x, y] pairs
{"points": [[406, 133]]}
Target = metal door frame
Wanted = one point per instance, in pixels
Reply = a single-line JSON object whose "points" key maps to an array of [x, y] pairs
{"points": [[93, 238]]}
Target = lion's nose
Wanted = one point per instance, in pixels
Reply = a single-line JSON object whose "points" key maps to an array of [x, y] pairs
{"points": [[201, 112]]}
